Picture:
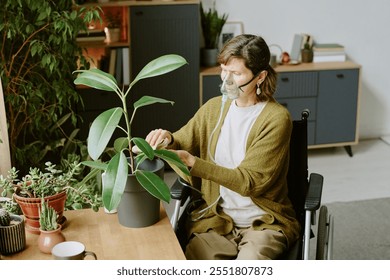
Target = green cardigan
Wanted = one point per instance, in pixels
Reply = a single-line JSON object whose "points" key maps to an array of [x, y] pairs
{"points": [[261, 175]]}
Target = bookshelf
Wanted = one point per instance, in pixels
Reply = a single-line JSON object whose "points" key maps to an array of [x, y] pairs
{"points": [[149, 29]]}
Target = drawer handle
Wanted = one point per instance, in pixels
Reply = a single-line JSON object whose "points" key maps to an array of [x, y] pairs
{"points": [[285, 79], [340, 76], [139, 13]]}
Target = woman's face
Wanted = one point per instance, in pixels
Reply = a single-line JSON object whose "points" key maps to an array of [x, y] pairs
{"points": [[241, 75]]}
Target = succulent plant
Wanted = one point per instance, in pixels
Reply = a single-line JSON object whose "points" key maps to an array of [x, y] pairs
{"points": [[5, 218], [47, 217]]}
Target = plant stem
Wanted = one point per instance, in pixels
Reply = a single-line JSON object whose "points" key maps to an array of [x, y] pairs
{"points": [[128, 126]]}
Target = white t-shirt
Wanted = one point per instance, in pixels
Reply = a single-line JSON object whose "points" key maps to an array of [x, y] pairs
{"points": [[230, 151]]}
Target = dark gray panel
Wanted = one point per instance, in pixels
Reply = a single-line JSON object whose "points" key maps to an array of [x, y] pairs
{"points": [[297, 84], [156, 31], [337, 106]]}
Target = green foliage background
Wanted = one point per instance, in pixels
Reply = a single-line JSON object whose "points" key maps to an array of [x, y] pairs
{"points": [[38, 53]]}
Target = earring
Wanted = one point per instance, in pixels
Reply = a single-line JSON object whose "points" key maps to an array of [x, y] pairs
{"points": [[258, 90]]}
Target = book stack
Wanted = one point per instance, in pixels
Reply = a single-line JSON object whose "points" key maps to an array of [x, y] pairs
{"points": [[117, 63], [92, 35], [328, 53]]}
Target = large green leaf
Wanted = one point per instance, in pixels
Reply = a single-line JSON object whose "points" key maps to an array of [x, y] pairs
{"points": [[153, 184], [114, 181], [101, 131], [120, 143], [95, 164], [172, 158], [159, 66], [144, 147], [148, 100], [96, 78]]}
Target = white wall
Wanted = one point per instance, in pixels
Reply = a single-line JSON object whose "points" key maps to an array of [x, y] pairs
{"points": [[361, 26]]}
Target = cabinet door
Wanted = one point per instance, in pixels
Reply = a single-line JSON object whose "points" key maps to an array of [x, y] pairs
{"points": [[155, 31], [337, 106], [211, 87]]}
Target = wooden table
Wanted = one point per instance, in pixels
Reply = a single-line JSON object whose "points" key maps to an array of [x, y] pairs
{"points": [[109, 240]]}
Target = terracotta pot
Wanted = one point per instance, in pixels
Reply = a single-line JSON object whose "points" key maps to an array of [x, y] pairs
{"points": [[48, 239], [30, 208], [13, 237]]}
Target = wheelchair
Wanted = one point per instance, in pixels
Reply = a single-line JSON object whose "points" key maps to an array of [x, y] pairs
{"points": [[305, 193]]}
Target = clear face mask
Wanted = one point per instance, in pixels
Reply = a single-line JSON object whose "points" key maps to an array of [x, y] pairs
{"points": [[229, 87]]}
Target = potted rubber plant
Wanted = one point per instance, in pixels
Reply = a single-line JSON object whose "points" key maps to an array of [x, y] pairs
{"points": [[126, 172]]}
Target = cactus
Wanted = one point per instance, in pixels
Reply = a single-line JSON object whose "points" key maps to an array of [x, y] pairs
{"points": [[47, 217], [5, 218]]}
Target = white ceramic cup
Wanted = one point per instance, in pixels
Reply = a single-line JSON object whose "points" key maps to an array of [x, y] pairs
{"points": [[71, 250]]}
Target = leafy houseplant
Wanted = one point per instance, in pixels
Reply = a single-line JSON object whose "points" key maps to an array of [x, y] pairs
{"points": [[12, 234], [212, 24], [113, 25], [124, 161], [38, 53]]}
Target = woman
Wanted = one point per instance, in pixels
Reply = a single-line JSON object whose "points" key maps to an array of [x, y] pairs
{"points": [[238, 146]]}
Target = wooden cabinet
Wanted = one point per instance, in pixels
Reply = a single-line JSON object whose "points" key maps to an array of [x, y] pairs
{"points": [[329, 90], [154, 28]]}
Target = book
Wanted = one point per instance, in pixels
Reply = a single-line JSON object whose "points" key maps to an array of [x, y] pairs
{"points": [[126, 66], [329, 58], [111, 67], [119, 66], [332, 47], [319, 53]]}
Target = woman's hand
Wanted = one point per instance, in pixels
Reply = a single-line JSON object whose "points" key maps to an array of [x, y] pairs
{"points": [[185, 157], [157, 136]]}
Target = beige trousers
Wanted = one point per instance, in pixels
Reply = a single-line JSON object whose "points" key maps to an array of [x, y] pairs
{"points": [[240, 244]]}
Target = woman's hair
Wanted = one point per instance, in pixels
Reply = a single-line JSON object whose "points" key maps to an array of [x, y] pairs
{"points": [[256, 55]]}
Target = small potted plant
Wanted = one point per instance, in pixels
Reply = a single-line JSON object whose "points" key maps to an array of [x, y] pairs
{"points": [[50, 230], [307, 51], [128, 173], [52, 184], [113, 27], [212, 24], [12, 233]]}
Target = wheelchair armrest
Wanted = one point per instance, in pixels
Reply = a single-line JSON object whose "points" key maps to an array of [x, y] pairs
{"points": [[180, 190], [314, 193]]}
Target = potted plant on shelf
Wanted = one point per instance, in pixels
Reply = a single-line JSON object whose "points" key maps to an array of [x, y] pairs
{"points": [[54, 186], [113, 27], [212, 24], [12, 234], [307, 51], [127, 175], [50, 230]]}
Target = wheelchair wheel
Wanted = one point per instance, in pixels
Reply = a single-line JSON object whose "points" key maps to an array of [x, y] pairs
{"points": [[322, 234]]}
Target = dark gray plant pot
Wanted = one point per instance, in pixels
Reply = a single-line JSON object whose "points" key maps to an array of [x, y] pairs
{"points": [[138, 208], [13, 237], [209, 57], [307, 56]]}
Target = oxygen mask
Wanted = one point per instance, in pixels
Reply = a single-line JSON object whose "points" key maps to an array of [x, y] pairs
{"points": [[229, 87]]}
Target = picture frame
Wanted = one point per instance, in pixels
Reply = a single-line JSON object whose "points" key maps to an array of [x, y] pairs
{"points": [[229, 30]]}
